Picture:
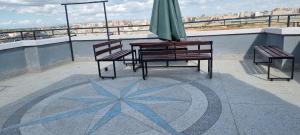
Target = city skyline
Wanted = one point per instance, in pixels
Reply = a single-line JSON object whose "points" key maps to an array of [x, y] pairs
{"points": [[38, 13]]}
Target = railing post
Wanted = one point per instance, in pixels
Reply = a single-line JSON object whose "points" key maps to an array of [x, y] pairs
{"points": [[224, 22], [52, 33], [92, 30], [34, 36], [278, 19], [119, 31], [288, 21], [270, 20], [22, 36]]}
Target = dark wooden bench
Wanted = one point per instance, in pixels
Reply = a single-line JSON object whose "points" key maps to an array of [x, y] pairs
{"points": [[272, 53], [178, 51], [112, 51]]}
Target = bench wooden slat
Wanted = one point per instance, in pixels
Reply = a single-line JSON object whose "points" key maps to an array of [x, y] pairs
{"points": [[281, 52], [157, 52], [193, 51], [192, 43], [116, 56], [107, 50], [158, 58], [266, 49], [178, 57], [106, 43], [261, 50], [272, 52]]}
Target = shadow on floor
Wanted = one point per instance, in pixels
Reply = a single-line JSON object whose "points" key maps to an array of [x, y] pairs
{"points": [[251, 68], [297, 55], [255, 110]]}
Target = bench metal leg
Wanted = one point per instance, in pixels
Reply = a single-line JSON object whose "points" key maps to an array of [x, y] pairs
{"points": [[103, 77], [146, 65], [293, 68], [133, 61], [269, 68], [198, 65], [114, 65], [136, 58], [99, 69], [124, 61], [143, 70], [254, 57], [210, 69], [282, 78]]}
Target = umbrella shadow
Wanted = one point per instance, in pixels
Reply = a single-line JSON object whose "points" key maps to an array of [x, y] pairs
{"points": [[3, 88]]}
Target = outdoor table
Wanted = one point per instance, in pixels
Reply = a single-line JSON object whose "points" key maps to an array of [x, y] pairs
{"points": [[148, 43]]}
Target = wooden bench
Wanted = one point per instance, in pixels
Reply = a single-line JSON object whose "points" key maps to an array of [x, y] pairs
{"points": [[178, 51], [112, 51], [272, 53]]}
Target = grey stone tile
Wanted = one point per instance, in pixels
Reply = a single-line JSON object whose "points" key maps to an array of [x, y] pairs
{"points": [[225, 125], [240, 91], [267, 119]]}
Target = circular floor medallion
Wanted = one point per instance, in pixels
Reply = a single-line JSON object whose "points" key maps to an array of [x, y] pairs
{"points": [[128, 106]]}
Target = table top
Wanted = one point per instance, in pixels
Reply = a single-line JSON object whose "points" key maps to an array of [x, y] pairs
{"points": [[157, 42]]}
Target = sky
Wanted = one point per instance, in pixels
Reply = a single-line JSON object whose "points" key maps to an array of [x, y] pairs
{"points": [[40, 13]]}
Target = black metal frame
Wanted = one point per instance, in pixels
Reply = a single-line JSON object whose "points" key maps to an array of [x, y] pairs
{"points": [[68, 23], [270, 61], [167, 62], [144, 64], [114, 67], [133, 54]]}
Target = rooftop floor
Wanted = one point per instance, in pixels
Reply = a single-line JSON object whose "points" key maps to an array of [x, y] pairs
{"points": [[70, 99]]}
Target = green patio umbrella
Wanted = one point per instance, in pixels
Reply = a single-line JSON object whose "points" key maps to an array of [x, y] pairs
{"points": [[166, 21]]}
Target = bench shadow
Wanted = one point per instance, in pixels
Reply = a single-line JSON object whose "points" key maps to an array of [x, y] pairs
{"points": [[259, 40], [297, 69], [251, 68]]}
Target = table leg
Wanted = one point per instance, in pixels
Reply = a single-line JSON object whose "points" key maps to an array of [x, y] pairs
{"points": [[133, 61]]}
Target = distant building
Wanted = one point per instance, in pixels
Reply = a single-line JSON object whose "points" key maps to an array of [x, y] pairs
{"points": [[259, 14], [280, 11]]}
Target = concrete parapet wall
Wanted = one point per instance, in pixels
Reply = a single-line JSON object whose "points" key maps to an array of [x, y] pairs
{"points": [[20, 60], [35, 56]]}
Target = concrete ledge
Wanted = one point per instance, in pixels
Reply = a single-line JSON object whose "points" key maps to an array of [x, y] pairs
{"points": [[25, 43], [283, 31]]}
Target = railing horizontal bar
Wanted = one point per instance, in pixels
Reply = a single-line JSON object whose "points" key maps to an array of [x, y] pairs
{"points": [[79, 3], [48, 33]]}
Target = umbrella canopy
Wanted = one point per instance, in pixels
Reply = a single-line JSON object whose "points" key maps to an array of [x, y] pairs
{"points": [[166, 20]]}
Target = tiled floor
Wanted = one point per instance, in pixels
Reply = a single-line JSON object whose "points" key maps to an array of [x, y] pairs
{"points": [[70, 99]]}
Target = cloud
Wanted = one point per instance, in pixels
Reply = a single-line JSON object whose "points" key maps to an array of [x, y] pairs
{"points": [[2, 7], [44, 9], [6, 22], [27, 2], [51, 12], [24, 22]]}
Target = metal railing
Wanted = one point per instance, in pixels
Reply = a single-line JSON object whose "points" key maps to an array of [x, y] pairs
{"points": [[291, 20]]}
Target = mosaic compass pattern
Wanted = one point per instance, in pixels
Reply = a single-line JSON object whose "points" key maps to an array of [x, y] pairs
{"points": [[158, 106]]}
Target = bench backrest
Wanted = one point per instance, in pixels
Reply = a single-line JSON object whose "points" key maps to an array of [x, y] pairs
{"points": [[194, 47], [107, 47]]}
